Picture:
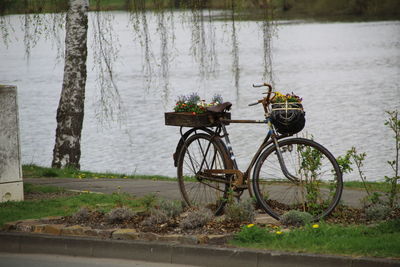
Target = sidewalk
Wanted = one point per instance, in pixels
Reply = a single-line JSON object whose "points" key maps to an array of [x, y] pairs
{"points": [[165, 189], [210, 256]]}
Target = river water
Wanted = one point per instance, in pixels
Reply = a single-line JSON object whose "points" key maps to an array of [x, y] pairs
{"points": [[347, 73]]}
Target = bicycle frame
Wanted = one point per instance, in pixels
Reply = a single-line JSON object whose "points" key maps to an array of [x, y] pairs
{"points": [[271, 138]]}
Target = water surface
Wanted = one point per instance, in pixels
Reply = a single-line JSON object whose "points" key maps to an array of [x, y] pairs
{"points": [[347, 73]]}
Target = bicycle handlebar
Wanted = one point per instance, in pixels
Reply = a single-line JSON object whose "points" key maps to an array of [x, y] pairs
{"points": [[266, 99], [262, 85], [253, 104]]}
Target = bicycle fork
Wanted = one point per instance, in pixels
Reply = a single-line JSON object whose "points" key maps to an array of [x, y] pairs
{"points": [[282, 162]]}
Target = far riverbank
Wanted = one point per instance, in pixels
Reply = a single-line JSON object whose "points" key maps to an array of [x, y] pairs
{"points": [[340, 10]]}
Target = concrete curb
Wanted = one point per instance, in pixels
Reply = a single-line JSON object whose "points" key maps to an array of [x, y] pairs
{"points": [[172, 253]]}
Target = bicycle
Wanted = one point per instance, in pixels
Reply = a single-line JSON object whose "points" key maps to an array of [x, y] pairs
{"points": [[289, 173]]}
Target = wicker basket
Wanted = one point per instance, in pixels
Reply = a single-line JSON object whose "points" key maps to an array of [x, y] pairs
{"points": [[187, 119], [288, 117]]}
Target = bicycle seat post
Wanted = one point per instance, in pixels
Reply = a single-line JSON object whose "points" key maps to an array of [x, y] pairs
{"points": [[229, 146]]}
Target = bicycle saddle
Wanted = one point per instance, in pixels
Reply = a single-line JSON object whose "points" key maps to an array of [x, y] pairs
{"points": [[220, 107]]}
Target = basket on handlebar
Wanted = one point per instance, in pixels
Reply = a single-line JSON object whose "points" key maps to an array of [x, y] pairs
{"points": [[288, 117]]}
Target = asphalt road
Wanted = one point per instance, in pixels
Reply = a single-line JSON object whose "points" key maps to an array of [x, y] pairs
{"points": [[165, 189], [42, 260]]}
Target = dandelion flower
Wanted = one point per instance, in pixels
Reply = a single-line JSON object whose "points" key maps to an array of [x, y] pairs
{"points": [[250, 225], [315, 226], [278, 232]]}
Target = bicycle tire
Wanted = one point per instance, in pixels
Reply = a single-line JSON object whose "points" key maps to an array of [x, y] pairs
{"points": [[199, 191], [307, 160]]}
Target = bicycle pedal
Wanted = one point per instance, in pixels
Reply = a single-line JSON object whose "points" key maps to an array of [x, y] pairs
{"points": [[241, 186]]}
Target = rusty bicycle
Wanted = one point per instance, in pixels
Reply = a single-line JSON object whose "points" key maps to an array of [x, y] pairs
{"points": [[286, 172]]}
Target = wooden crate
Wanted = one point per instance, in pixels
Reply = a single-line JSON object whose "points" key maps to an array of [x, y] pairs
{"points": [[187, 119]]}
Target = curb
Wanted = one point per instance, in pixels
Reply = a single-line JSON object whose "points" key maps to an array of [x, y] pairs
{"points": [[209, 256]]}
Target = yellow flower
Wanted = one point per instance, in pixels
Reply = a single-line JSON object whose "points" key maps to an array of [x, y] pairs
{"points": [[278, 232], [315, 226], [250, 225]]}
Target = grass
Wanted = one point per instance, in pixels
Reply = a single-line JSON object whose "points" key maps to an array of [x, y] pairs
{"points": [[34, 171], [373, 186], [13, 211], [381, 240], [358, 185], [31, 188]]}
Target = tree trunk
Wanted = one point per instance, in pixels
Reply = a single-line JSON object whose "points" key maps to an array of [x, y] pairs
{"points": [[67, 148]]}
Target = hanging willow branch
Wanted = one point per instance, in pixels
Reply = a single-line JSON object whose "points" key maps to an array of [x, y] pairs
{"points": [[109, 105], [139, 20], [268, 28], [203, 40], [235, 50]]}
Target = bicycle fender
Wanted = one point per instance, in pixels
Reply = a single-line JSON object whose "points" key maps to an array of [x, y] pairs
{"points": [[183, 139]]}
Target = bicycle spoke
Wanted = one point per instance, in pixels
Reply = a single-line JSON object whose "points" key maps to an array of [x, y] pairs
{"points": [[202, 153], [315, 168]]}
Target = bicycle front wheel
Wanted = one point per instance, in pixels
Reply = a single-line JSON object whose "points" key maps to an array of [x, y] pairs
{"points": [[318, 185], [200, 154]]}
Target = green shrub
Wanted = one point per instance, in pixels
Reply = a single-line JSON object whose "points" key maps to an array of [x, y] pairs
{"points": [[377, 212], [156, 217], [171, 208], [81, 215], [149, 201], [197, 218], [119, 215], [240, 212], [296, 218], [50, 173]]}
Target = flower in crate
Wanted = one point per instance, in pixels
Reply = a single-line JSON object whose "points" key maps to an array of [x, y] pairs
{"points": [[194, 104], [281, 98], [217, 99]]}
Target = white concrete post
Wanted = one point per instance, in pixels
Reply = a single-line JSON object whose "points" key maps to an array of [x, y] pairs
{"points": [[11, 186]]}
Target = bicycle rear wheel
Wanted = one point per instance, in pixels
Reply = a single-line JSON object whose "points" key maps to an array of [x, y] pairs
{"points": [[199, 153], [319, 185]]}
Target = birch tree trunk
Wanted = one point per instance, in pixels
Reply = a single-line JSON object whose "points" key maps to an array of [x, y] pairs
{"points": [[67, 148]]}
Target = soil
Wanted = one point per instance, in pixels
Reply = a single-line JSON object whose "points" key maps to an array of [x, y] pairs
{"points": [[98, 220]]}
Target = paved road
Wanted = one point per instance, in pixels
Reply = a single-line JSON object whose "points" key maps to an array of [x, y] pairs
{"points": [[42, 260], [165, 189]]}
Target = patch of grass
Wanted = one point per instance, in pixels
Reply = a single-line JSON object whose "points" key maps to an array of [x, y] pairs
{"points": [[32, 188], [356, 240], [13, 211], [34, 171], [374, 186]]}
